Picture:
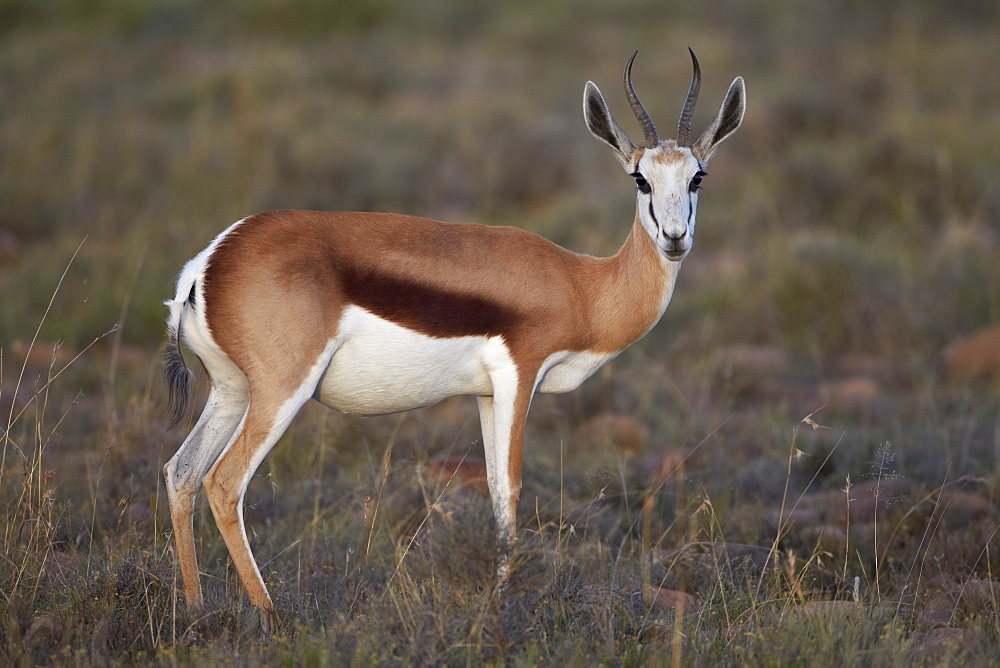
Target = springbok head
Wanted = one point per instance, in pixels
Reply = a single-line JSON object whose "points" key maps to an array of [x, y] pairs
{"points": [[667, 172]]}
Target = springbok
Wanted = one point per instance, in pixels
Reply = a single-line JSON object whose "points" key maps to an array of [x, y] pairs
{"points": [[375, 313]]}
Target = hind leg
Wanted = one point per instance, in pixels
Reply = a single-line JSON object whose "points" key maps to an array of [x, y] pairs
{"points": [[274, 401], [226, 484], [225, 408]]}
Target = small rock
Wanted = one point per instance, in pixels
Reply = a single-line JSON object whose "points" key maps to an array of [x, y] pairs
{"points": [[826, 504], [469, 471], [940, 592], [663, 465], [961, 508], [866, 499], [623, 431], [948, 592], [975, 357], [803, 516], [986, 590], [855, 392], [827, 537], [43, 354], [873, 499], [665, 599], [960, 597], [885, 486]]}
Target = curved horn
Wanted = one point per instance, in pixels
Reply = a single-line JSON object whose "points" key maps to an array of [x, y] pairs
{"points": [[684, 124], [648, 129]]}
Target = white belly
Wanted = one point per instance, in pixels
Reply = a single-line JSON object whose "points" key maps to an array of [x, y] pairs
{"points": [[380, 367]]}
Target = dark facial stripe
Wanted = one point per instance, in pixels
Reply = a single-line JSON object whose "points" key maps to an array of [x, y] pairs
{"points": [[652, 214], [424, 308]]}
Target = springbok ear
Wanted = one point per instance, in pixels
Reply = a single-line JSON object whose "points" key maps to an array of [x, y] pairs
{"points": [[603, 126], [725, 123]]}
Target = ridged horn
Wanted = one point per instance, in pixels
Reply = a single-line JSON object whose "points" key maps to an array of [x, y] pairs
{"points": [[684, 124], [648, 129]]}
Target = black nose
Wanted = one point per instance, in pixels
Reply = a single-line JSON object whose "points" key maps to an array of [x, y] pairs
{"points": [[672, 240], [676, 243]]}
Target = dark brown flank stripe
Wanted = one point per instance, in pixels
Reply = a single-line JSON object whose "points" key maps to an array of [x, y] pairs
{"points": [[424, 308]]}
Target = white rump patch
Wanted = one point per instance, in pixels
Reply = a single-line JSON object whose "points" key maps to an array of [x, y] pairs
{"points": [[192, 323]]}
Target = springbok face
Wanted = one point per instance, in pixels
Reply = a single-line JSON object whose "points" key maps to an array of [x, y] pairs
{"points": [[667, 173]]}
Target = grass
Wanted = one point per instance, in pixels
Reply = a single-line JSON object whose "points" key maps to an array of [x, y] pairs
{"points": [[847, 235]]}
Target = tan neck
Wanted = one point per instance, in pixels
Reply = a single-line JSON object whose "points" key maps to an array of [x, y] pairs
{"points": [[633, 289]]}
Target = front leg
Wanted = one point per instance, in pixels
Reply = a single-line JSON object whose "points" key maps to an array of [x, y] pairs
{"points": [[503, 416], [504, 491], [489, 440]]}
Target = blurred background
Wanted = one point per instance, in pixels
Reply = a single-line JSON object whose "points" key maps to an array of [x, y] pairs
{"points": [[860, 198], [846, 257]]}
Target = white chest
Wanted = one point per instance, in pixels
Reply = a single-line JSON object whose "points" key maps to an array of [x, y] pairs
{"points": [[565, 370]]}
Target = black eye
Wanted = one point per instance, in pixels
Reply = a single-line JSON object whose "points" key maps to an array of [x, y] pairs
{"points": [[696, 181], [641, 183]]}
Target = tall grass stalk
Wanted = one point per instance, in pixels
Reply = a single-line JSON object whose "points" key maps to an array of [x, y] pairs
{"points": [[11, 418]]}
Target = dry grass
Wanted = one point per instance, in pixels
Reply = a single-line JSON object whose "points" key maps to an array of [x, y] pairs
{"points": [[675, 508]]}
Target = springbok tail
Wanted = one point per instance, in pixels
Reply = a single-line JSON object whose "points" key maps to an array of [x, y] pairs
{"points": [[176, 372]]}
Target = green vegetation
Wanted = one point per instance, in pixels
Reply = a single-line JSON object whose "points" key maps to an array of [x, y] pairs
{"points": [[674, 508]]}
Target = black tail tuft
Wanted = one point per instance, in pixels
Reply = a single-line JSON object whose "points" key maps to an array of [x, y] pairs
{"points": [[178, 378]]}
